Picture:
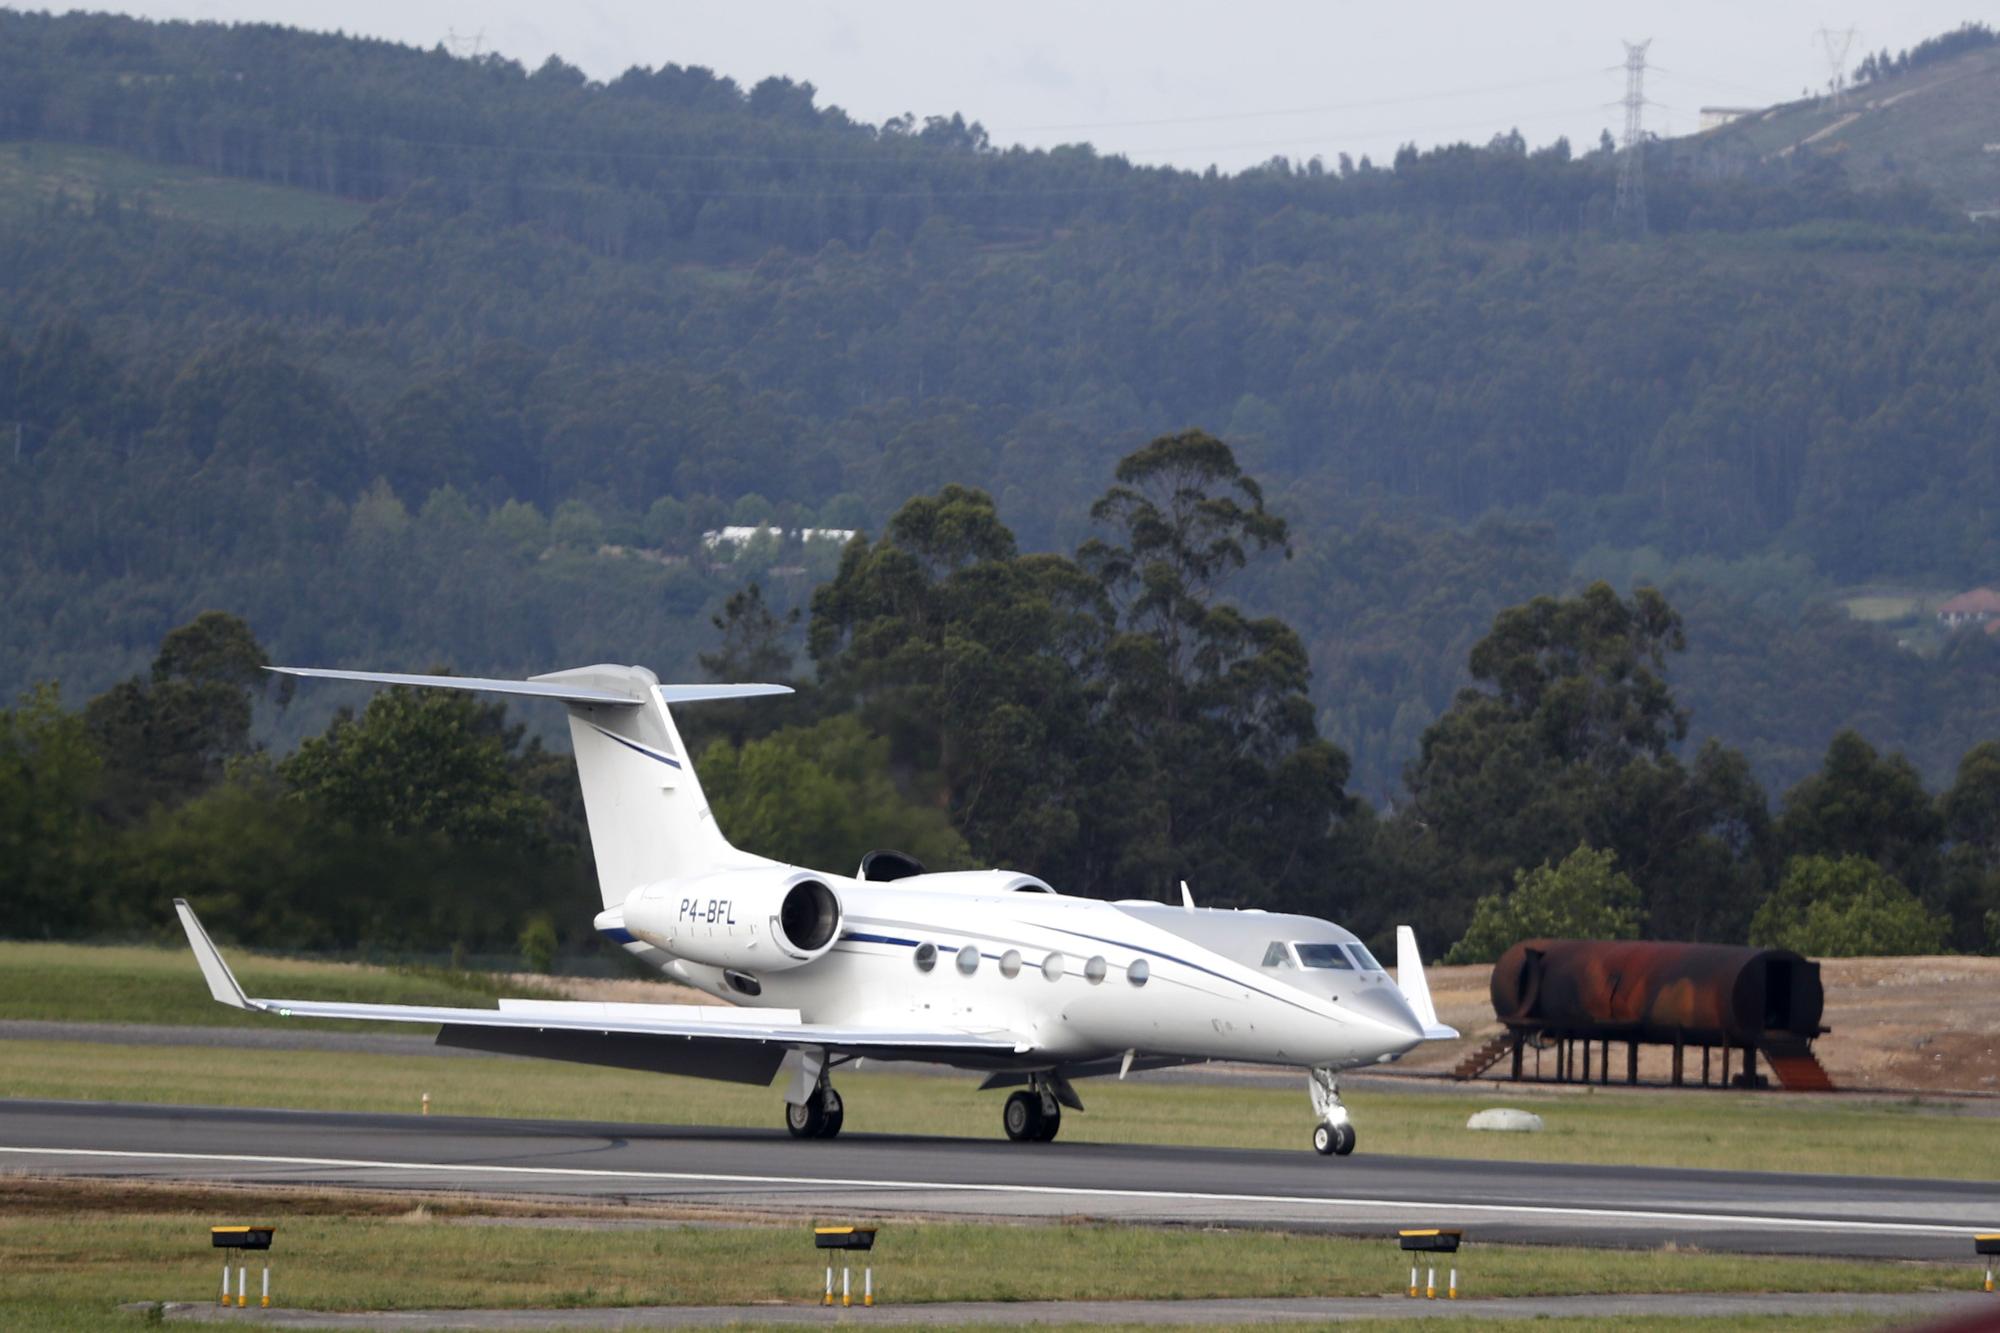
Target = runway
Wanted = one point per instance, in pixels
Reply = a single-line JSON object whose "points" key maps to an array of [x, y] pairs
{"points": [[875, 1174]]}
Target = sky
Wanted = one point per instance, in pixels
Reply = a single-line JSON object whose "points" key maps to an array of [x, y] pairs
{"points": [[1180, 82]]}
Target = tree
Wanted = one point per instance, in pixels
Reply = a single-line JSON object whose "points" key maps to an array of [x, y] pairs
{"points": [[1971, 814], [753, 650], [538, 944], [1585, 897], [436, 763], [174, 731], [48, 776], [1246, 795], [1567, 737], [1845, 907], [980, 668], [822, 796], [1867, 805]]}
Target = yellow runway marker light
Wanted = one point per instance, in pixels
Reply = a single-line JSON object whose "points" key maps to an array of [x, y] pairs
{"points": [[1431, 1240], [847, 1238], [242, 1239]]}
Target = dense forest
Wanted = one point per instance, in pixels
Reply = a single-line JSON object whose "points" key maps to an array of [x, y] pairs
{"points": [[473, 357]]}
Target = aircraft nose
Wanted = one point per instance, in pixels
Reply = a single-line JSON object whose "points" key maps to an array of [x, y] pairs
{"points": [[1385, 1005]]}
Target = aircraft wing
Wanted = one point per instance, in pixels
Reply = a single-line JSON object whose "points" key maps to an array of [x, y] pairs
{"points": [[711, 1041], [1416, 989]]}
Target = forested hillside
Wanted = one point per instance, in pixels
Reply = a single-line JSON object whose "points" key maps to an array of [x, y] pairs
{"points": [[410, 359]]}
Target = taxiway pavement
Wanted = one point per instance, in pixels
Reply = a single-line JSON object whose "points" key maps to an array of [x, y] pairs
{"points": [[863, 1173]]}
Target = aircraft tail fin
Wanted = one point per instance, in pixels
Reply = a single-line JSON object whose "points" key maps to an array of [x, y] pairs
{"points": [[648, 817]]}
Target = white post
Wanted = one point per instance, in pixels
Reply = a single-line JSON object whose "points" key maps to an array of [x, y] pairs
{"points": [[1451, 1291], [1413, 1280], [845, 1299], [1430, 1283], [868, 1285], [267, 1284], [829, 1286], [242, 1285], [225, 1282]]}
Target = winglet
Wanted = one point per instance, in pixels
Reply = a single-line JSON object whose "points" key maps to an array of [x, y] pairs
{"points": [[1416, 990], [221, 982], [1187, 897]]}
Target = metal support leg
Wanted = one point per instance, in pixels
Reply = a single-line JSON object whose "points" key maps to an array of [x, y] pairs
{"points": [[1324, 1085]]}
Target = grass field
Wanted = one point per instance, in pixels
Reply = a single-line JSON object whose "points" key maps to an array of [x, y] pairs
{"points": [[1716, 1130], [35, 173], [88, 983], [74, 1249]]}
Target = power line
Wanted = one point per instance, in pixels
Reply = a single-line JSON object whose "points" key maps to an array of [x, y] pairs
{"points": [[1837, 43], [1629, 209]]}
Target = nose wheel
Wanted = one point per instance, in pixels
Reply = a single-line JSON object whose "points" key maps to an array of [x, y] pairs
{"points": [[1031, 1116], [1333, 1140], [1334, 1135], [818, 1116]]}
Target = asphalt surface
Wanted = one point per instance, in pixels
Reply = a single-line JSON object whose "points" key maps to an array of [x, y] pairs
{"points": [[876, 1174]]}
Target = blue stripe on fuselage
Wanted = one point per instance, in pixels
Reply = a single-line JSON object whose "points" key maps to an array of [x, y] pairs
{"points": [[633, 745]]}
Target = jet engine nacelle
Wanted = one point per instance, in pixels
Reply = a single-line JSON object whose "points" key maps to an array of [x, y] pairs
{"points": [[743, 920]]}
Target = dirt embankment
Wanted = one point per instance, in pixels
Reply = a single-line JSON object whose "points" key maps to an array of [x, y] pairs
{"points": [[1927, 1024]]}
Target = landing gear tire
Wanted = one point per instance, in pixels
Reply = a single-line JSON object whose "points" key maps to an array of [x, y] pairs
{"points": [[1022, 1117], [1051, 1122], [836, 1114], [818, 1117], [1333, 1136]]}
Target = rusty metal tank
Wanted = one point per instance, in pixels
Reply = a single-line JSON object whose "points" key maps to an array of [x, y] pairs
{"points": [[1658, 991]]}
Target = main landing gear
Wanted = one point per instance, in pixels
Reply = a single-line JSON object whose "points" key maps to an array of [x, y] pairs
{"points": [[1333, 1136], [1033, 1116], [819, 1116]]}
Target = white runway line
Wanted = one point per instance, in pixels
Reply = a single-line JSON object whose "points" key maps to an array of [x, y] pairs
{"points": [[692, 1177]]}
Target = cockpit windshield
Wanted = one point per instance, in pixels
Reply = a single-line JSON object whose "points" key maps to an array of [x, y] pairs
{"points": [[1364, 958], [1323, 955]]}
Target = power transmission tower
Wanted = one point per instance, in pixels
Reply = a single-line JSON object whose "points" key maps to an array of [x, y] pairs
{"points": [[1837, 44], [1628, 210]]}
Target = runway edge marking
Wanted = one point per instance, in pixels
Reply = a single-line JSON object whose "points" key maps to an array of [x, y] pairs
{"points": [[693, 1177]]}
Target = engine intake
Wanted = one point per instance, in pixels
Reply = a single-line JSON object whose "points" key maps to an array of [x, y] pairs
{"points": [[748, 921]]}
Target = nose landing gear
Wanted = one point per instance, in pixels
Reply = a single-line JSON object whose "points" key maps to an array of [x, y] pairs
{"points": [[1334, 1135]]}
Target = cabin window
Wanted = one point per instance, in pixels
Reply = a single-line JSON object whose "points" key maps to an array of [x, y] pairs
{"points": [[1095, 970], [1010, 963], [1363, 959], [926, 956], [1277, 955], [1052, 967], [1323, 955], [968, 959], [1138, 972]]}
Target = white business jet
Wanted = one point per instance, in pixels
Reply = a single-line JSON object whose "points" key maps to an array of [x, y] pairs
{"points": [[987, 970]]}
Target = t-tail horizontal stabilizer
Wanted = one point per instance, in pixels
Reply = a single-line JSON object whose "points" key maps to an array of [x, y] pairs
{"points": [[648, 818], [1410, 980]]}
